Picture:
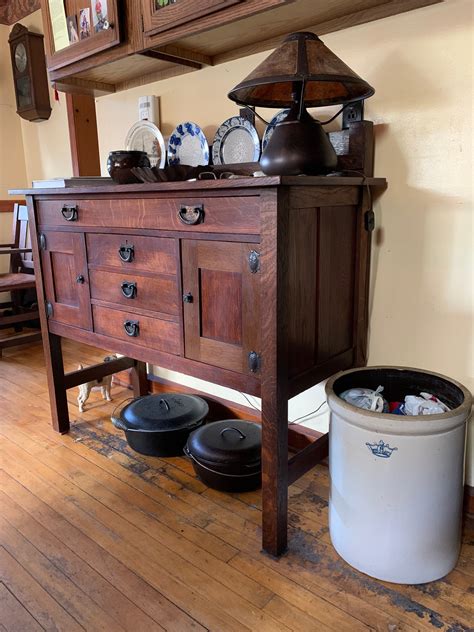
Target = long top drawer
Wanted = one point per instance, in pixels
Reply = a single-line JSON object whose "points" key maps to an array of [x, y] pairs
{"points": [[237, 214]]}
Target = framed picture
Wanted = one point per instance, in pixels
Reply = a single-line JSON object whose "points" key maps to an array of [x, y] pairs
{"points": [[72, 32], [84, 23], [100, 18]]}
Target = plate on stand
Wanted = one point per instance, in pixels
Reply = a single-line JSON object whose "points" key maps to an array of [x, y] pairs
{"points": [[236, 141], [278, 118], [188, 146], [145, 136]]}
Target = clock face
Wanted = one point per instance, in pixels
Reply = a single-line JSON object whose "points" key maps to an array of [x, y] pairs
{"points": [[21, 58]]}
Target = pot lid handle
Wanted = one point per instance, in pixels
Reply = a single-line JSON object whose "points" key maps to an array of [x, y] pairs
{"points": [[164, 403], [242, 436]]}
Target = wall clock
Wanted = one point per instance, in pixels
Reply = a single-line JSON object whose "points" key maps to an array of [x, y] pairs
{"points": [[29, 74]]}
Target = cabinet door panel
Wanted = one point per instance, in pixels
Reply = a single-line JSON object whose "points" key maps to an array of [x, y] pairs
{"points": [[222, 321], [66, 281], [160, 15]]}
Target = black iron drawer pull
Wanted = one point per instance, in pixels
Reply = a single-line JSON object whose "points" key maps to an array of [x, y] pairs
{"points": [[126, 253], [191, 215], [70, 213], [132, 328], [80, 279], [188, 297], [129, 289]]}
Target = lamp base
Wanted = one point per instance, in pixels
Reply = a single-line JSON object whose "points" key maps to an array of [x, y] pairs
{"points": [[298, 145]]}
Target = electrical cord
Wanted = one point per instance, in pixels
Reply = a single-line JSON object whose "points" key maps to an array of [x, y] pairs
{"points": [[290, 423], [299, 419]]}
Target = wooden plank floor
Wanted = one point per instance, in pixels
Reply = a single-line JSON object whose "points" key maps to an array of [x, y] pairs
{"points": [[96, 537]]}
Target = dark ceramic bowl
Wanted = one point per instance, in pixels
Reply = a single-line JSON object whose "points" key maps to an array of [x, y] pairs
{"points": [[121, 163]]}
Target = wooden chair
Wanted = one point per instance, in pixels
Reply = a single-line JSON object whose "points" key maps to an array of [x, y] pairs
{"points": [[19, 281]]}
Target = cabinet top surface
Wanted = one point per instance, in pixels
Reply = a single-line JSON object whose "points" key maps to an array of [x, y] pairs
{"points": [[205, 185]]}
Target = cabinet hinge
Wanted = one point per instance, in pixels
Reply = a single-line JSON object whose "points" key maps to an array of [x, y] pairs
{"points": [[369, 221], [42, 241], [255, 361], [49, 309], [254, 261]]}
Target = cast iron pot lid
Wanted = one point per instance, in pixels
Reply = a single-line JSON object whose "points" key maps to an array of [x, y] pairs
{"points": [[164, 412], [231, 441]]}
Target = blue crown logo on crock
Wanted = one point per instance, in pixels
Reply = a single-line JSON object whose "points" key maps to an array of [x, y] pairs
{"points": [[381, 449]]}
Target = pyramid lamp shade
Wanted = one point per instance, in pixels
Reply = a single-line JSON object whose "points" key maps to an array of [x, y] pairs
{"points": [[302, 72]]}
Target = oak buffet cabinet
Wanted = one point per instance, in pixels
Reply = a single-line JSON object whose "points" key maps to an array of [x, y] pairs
{"points": [[258, 284]]}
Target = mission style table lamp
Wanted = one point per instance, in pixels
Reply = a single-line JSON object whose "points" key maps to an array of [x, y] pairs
{"points": [[300, 73]]}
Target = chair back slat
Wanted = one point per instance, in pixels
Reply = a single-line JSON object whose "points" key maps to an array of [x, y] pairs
{"points": [[21, 239]]}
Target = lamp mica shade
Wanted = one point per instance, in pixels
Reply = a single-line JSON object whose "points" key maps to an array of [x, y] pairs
{"points": [[301, 58]]}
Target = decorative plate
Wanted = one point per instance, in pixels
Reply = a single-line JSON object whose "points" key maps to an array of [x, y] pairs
{"points": [[279, 116], [236, 140], [145, 136], [188, 146]]}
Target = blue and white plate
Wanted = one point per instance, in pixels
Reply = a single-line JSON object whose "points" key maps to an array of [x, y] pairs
{"points": [[188, 146], [236, 140], [278, 118]]}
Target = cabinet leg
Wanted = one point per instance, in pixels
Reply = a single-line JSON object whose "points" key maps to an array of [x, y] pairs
{"points": [[274, 474], [139, 379], [53, 356]]}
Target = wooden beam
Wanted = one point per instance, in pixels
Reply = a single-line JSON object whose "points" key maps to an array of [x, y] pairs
{"points": [[155, 54], [97, 371], [74, 85], [83, 134], [310, 456], [184, 53]]}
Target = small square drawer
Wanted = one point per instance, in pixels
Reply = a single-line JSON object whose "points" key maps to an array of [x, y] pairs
{"points": [[155, 333], [158, 293], [132, 253]]}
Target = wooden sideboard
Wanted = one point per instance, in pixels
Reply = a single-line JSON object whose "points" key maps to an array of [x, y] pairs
{"points": [[258, 284]]}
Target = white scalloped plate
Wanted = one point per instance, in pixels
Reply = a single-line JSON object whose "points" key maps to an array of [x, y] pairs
{"points": [[146, 136]]}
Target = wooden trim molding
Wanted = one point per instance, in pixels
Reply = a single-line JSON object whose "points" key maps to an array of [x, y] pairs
{"points": [[6, 206], [12, 11], [82, 123], [469, 500]]}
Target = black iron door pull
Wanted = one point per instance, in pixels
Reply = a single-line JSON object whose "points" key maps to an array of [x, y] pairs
{"points": [[191, 215], [126, 253], [254, 361], [129, 289], [70, 213], [80, 278], [254, 261], [132, 328]]}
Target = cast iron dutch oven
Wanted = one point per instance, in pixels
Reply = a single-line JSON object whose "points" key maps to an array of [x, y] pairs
{"points": [[159, 425], [226, 455]]}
